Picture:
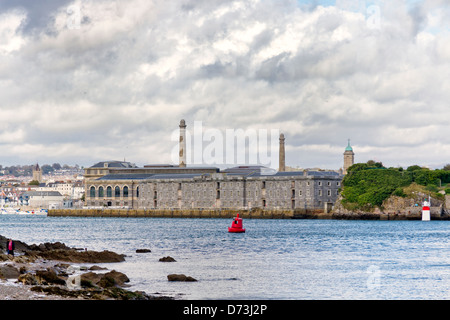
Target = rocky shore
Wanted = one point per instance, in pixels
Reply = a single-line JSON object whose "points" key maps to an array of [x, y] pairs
{"points": [[46, 272]]}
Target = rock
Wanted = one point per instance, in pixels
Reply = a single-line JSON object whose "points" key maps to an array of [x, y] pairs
{"points": [[179, 277], [83, 256], [49, 246], [49, 276], [18, 245], [143, 250], [167, 259], [95, 268], [109, 279], [28, 279], [9, 272]]}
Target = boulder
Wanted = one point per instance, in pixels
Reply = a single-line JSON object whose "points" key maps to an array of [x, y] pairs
{"points": [[143, 250], [28, 279], [83, 256], [179, 277], [49, 276], [9, 272], [167, 259], [106, 280], [95, 268]]}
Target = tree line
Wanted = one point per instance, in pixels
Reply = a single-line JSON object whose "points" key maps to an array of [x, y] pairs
{"points": [[26, 170], [367, 185]]}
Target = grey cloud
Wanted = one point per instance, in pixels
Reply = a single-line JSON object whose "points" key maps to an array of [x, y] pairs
{"points": [[122, 82]]}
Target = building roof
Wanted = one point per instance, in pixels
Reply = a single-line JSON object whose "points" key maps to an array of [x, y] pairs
{"points": [[43, 194], [126, 176], [248, 170], [114, 164], [349, 147]]}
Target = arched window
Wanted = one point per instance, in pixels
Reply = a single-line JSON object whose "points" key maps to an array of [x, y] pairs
{"points": [[125, 192], [92, 192], [101, 193], [117, 192], [109, 192]]}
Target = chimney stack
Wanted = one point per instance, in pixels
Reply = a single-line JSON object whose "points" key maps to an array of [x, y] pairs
{"points": [[282, 155], [182, 158]]}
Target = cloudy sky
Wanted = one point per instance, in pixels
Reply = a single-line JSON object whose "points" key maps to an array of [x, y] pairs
{"points": [[86, 81]]}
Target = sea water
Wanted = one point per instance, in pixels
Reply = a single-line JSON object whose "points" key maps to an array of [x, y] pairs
{"points": [[273, 259]]}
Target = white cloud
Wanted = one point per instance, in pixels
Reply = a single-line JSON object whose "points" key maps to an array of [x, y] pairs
{"points": [[10, 37], [121, 81]]}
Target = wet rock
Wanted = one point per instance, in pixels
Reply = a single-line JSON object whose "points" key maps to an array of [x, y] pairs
{"points": [[109, 279], [167, 259], [95, 268], [179, 277], [83, 256], [49, 246], [18, 245], [143, 250]]}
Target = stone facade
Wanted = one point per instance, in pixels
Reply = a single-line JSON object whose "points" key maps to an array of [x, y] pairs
{"points": [[287, 190]]}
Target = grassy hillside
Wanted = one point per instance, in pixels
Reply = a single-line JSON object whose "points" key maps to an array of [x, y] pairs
{"points": [[367, 185]]}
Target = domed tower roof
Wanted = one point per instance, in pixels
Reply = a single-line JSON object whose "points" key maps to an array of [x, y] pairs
{"points": [[349, 147]]}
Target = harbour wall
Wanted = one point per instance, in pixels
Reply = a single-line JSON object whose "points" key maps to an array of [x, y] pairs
{"points": [[436, 214], [194, 213]]}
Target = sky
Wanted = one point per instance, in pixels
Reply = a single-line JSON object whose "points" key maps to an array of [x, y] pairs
{"points": [[87, 81]]}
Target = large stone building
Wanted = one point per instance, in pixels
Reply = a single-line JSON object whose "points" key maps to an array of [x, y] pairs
{"points": [[123, 185]]}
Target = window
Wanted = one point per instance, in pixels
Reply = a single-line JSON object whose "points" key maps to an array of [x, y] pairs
{"points": [[137, 192], [101, 193], [117, 192], [329, 192], [125, 192], [109, 192], [92, 192]]}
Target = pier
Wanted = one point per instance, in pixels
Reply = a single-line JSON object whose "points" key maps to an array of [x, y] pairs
{"points": [[256, 213]]}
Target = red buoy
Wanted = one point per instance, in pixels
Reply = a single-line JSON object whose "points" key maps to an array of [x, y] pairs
{"points": [[236, 225]]}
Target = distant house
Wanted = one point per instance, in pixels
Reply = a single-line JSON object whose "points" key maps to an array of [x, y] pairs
{"points": [[43, 199]]}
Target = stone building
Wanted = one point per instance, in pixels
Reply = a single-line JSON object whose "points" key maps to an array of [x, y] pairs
{"points": [[254, 189], [117, 184]]}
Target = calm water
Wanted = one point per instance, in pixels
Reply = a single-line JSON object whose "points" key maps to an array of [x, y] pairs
{"points": [[274, 259]]}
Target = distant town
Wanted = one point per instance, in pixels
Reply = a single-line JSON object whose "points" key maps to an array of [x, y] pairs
{"points": [[41, 187]]}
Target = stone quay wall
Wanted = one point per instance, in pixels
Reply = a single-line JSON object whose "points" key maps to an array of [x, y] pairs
{"points": [[254, 213]]}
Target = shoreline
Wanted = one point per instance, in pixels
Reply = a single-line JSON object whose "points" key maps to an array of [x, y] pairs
{"points": [[406, 214], [51, 271]]}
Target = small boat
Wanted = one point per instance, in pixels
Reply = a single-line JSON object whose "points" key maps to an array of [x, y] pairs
{"points": [[236, 225]]}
